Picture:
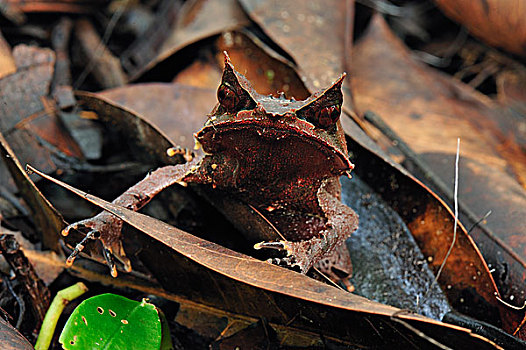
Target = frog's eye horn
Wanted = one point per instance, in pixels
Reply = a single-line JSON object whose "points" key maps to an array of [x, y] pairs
{"points": [[324, 107], [327, 116], [227, 98], [235, 92]]}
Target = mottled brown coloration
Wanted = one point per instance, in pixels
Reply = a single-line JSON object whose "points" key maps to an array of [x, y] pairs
{"points": [[272, 155]]}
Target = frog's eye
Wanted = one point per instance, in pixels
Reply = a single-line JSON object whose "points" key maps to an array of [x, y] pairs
{"points": [[324, 107], [326, 116], [227, 98], [321, 117]]}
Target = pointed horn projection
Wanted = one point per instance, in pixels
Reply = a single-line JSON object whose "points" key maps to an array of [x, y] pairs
{"points": [[325, 106], [234, 92]]}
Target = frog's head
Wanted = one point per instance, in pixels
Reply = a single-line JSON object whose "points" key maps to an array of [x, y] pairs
{"points": [[235, 94], [246, 122]]}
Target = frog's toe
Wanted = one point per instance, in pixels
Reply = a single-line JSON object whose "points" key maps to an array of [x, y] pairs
{"points": [[81, 245], [288, 262], [77, 226], [116, 250], [280, 245], [113, 250], [106, 228]]}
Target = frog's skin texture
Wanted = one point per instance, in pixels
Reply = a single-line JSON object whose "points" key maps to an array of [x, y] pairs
{"points": [[280, 158]]}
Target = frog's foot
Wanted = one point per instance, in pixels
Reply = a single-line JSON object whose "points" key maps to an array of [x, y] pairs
{"points": [[303, 255], [337, 266], [186, 153], [299, 256], [107, 228]]}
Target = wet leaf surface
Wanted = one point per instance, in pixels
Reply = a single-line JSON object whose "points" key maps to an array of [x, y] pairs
{"points": [[388, 266]]}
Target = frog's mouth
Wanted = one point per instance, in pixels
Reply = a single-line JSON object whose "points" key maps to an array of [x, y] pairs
{"points": [[287, 148]]}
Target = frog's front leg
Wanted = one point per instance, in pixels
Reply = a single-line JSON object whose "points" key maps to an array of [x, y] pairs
{"points": [[327, 251], [108, 228]]}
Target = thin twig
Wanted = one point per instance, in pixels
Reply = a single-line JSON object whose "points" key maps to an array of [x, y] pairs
{"points": [[456, 213], [104, 40], [511, 306], [518, 308], [418, 332], [268, 222], [19, 300], [328, 279], [455, 199], [479, 221]]}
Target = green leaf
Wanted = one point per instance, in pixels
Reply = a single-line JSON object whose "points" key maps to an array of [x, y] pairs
{"points": [[110, 321]]}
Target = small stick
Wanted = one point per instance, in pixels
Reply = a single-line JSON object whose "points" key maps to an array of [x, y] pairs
{"points": [[437, 276], [106, 67]]}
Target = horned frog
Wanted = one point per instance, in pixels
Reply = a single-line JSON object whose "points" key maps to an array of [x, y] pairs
{"points": [[278, 158]]}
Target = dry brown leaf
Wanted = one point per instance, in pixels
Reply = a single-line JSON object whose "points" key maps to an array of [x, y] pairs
{"points": [[313, 33], [199, 20], [49, 222], [29, 114], [11, 339], [7, 62], [267, 74], [499, 23], [176, 109], [66, 6]]}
